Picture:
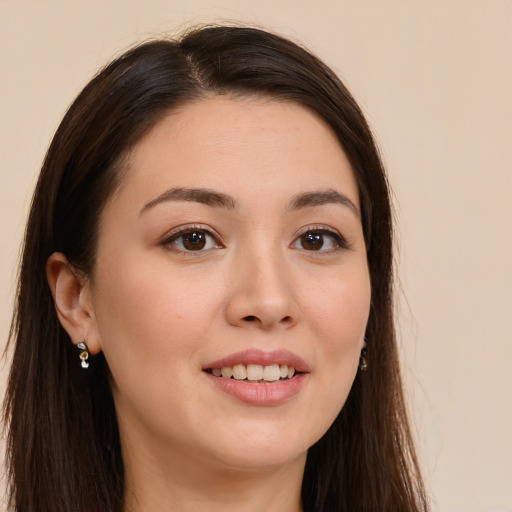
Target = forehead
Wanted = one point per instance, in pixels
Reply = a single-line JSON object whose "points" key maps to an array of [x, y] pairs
{"points": [[221, 142]]}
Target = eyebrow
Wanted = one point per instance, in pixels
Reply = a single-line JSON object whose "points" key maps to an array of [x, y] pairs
{"points": [[322, 197], [220, 200], [197, 195]]}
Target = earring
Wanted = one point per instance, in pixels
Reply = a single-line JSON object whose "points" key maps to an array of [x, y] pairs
{"points": [[84, 354], [362, 360]]}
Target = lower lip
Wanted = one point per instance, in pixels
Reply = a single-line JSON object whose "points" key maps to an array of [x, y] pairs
{"points": [[274, 393]]}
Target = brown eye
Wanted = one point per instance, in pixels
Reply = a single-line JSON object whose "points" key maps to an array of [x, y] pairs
{"points": [[312, 241], [194, 241], [320, 240]]}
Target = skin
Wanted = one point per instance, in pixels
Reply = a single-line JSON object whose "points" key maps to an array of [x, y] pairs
{"points": [[160, 312]]}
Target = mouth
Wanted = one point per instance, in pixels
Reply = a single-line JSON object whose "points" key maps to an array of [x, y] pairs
{"points": [[254, 373], [257, 377]]}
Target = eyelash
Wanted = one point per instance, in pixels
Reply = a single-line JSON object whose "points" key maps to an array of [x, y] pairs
{"points": [[179, 233], [340, 243], [169, 242]]}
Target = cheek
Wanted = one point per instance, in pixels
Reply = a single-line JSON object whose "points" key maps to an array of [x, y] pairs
{"points": [[152, 323], [150, 315], [339, 312]]}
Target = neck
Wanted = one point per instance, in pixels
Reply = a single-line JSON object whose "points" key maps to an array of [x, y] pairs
{"points": [[184, 484]]}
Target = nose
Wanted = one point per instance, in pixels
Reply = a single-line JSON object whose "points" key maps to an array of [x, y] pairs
{"points": [[262, 294]]}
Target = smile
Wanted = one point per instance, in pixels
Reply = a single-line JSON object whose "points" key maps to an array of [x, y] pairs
{"points": [[258, 377], [255, 372]]}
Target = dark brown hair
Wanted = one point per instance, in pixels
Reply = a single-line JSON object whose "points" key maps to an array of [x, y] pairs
{"points": [[64, 453]]}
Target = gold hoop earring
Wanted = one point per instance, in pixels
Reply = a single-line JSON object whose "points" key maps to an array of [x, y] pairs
{"points": [[84, 354], [363, 366]]}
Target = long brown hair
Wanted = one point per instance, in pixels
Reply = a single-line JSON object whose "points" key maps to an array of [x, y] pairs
{"points": [[64, 453]]}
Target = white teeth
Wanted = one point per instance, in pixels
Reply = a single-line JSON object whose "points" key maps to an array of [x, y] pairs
{"points": [[239, 372], [271, 373], [227, 372], [255, 372]]}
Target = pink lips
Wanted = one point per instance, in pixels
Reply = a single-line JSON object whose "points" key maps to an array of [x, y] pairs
{"points": [[256, 356], [262, 394]]}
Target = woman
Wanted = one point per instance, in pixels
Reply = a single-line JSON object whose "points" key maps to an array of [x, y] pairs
{"points": [[204, 316]]}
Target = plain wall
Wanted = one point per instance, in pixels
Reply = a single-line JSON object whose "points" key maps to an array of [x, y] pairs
{"points": [[435, 80]]}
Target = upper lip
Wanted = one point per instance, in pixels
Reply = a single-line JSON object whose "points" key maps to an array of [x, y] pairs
{"points": [[257, 356]]}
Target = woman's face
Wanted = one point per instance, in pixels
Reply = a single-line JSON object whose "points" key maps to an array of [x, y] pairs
{"points": [[233, 245]]}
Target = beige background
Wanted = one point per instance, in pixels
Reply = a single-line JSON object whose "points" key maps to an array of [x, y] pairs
{"points": [[435, 80]]}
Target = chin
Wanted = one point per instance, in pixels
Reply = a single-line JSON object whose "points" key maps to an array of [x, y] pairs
{"points": [[260, 449], [264, 459]]}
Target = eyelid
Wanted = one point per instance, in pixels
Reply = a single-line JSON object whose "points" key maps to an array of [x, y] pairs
{"points": [[340, 240], [178, 231]]}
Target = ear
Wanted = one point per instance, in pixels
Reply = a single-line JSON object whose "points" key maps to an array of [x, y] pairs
{"points": [[73, 301]]}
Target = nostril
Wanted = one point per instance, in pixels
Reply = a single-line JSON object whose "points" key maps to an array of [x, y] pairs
{"points": [[267, 323]]}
